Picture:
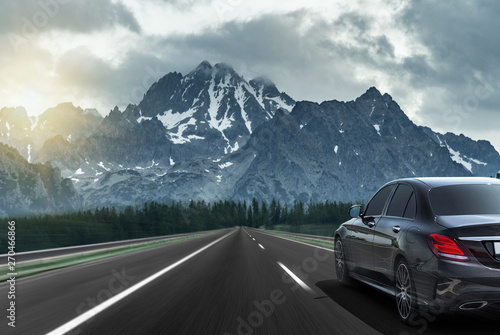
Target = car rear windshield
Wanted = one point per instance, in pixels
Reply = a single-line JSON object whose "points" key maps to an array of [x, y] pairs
{"points": [[465, 199]]}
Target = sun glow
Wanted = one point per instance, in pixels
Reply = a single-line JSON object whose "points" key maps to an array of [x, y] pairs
{"points": [[32, 101]]}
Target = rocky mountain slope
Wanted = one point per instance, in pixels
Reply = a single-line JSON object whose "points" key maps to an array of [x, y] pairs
{"points": [[211, 105], [28, 135], [479, 157], [33, 188], [212, 135], [332, 150]]}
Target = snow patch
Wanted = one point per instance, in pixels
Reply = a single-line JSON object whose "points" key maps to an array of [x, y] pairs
{"points": [[341, 131], [230, 149], [441, 144], [29, 153], [281, 104], [336, 149], [215, 102], [147, 167], [455, 155], [42, 126], [171, 161], [34, 124], [79, 171], [477, 162], [101, 164], [141, 118], [171, 120], [178, 137], [195, 137], [219, 178], [225, 165], [239, 94], [377, 128]]}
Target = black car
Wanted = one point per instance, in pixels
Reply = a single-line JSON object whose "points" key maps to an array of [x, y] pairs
{"points": [[433, 243]]}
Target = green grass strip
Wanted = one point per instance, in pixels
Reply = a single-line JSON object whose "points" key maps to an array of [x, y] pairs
{"points": [[28, 268], [321, 243]]}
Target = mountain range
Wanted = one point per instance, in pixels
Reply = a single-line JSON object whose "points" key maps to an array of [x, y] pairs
{"points": [[211, 135]]}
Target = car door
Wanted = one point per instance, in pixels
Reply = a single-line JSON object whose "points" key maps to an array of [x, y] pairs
{"points": [[360, 238], [398, 217]]}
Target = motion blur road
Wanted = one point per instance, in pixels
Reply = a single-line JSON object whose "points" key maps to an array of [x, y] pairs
{"points": [[236, 281]]}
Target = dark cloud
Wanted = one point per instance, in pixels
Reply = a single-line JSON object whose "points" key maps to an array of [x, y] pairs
{"points": [[22, 17], [464, 49], [384, 46], [420, 70], [450, 83], [305, 60]]}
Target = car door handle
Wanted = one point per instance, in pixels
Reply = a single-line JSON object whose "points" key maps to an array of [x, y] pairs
{"points": [[396, 229]]}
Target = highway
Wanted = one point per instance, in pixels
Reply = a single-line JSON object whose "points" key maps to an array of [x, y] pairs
{"points": [[235, 281]]}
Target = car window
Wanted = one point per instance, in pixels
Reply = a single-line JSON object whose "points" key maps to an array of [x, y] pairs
{"points": [[465, 199], [377, 203], [411, 208], [400, 201]]}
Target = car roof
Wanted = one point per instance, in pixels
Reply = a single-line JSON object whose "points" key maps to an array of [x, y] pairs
{"points": [[433, 182]]}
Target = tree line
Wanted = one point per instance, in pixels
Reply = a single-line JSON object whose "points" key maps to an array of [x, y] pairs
{"points": [[155, 219]]}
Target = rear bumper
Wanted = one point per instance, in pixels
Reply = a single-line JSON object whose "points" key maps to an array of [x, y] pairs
{"points": [[458, 286], [457, 294]]}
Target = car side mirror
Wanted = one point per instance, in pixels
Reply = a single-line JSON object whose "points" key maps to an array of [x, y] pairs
{"points": [[355, 211]]}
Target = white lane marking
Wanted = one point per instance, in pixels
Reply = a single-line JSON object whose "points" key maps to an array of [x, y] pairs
{"points": [[260, 245], [111, 301], [297, 279], [253, 239], [349, 318]]}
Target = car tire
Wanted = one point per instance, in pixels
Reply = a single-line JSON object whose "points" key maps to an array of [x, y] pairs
{"points": [[341, 264], [406, 299]]}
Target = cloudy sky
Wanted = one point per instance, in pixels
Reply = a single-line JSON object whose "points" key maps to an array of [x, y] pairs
{"points": [[440, 60]]}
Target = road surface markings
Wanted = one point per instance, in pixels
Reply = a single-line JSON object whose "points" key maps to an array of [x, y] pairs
{"points": [[297, 279], [111, 301], [260, 245]]}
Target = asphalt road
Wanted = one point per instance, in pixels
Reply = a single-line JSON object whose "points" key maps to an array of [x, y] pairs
{"points": [[225, 283]]}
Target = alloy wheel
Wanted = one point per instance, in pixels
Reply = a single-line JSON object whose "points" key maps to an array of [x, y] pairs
{"points": [[404, 291], [340, 266]]}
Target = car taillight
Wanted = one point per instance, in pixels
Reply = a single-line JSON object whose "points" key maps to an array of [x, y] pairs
{"points": [[445, 247]]}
